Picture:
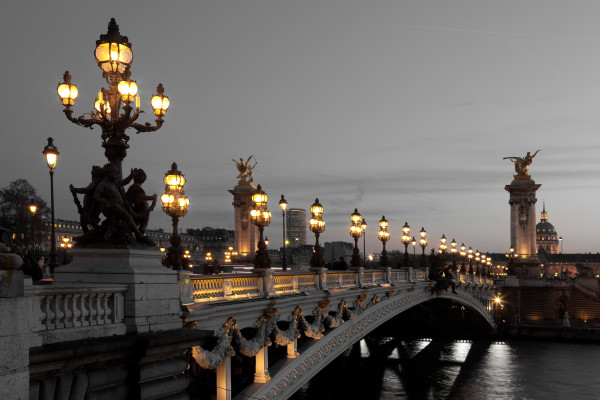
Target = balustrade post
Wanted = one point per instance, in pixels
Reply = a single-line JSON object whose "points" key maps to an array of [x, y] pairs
{"points": [[321, 277], [426, 273], [186, 288], [360, 277], [224, 380], [388, 275], [292, 349], [262, 366], [409, 275]]}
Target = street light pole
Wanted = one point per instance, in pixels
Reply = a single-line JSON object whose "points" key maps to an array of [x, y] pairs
{"points": [[355, 232], [423, 244], [317, 225], [363, 226], [175, 205], [384, 236], [51, 154], [405, 241], [283, 204]]}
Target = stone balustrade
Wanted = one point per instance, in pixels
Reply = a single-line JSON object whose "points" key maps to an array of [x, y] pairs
{"points": [[207, 288], [72, 312]]}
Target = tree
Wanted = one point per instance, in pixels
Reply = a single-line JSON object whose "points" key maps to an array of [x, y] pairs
{"points": [[15, 215]]}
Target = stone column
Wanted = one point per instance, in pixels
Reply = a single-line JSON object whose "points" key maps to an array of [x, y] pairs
{"points": [[246, 232], [262, 366], [224, 380], [522, 224], [292, 349]]}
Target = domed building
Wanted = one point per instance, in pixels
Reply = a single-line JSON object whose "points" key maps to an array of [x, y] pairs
{"points": [[546, 236]]}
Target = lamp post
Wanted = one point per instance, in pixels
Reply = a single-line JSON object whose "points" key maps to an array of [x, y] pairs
{"points": [[423, 244], [470, 257], [384, 236], [51, 154], [114, 110], [317, 226], [363, 226], [405, 241], [443, 246], [65, 246], [511, 259], [453, 251], [477, 259], [175, 205], [355, 232], [463, 254], [261, 217], [413, 241], [283, 204], [31, 236]]}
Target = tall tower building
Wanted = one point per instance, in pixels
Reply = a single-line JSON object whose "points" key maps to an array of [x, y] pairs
{"points": [[546, 236], [296, 226]]}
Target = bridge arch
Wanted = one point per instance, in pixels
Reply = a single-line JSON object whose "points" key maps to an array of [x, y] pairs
{"points": [[291, 374]]}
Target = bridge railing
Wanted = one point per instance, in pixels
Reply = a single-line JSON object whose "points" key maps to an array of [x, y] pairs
{"points": [[71, 312], [207, 288]]}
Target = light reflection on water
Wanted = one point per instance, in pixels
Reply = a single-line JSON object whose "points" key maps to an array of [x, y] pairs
{"points": [[528, 370]]}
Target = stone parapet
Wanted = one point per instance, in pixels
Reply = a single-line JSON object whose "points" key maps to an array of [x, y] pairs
{"points": [[152, 300]]}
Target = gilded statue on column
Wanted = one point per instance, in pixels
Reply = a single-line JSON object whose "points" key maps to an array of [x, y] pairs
{"points": [[522, 165], [245, 170]]}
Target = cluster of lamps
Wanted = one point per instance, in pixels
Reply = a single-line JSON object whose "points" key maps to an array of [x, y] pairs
{"points": [[317, 226], [261, 217], [356, 231], [175, 204], [117, 107]]}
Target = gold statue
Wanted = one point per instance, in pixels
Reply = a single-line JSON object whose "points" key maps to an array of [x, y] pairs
{"points": [[246, 170], [521, 165]]}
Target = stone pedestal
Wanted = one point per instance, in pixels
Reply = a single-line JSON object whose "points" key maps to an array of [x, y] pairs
{"points": [[522, 225], [19, 320], [245, 230], [152, 301]]}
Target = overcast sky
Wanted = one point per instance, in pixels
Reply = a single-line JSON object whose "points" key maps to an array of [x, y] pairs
{"points": [[397, 108]]}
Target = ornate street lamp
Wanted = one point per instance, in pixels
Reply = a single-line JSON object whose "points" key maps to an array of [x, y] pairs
{"points": [[356, 232], [363, 226], [405, 241], [175, 205], [283, 204], [477, 259], [470, 257], [117, 108], [443, 246], [266, 241], [453, 251], [384, 236], [51, 155], [423, 244], [261, 217], [511, 255], [463, 254], [317, 226], [413, 241]]}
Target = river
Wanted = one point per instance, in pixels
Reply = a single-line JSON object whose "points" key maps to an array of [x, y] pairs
{"points": [[385, 369]]}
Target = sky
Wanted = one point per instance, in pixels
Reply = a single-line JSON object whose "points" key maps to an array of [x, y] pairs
{"points": [[397, 108]]}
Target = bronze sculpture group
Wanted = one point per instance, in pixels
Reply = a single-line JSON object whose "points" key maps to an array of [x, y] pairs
{"points": [[126, 212]]}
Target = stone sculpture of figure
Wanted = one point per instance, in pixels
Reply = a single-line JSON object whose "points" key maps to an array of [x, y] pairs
{"points": [[90, 211], [113, 204], [522, 165], [245, 170], [137, 198]]}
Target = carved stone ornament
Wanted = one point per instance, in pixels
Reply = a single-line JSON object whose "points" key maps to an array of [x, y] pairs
{"points": [[211, 359]]}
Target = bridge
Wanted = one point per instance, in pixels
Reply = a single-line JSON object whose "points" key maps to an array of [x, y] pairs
{"points": [[81, 346]]}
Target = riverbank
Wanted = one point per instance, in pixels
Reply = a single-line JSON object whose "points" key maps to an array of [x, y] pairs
{"points": [[561, 333]]}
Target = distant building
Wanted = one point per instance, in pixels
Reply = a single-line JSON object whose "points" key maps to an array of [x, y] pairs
{"points": [[334, 250], [546, 236], [296, 226]]}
